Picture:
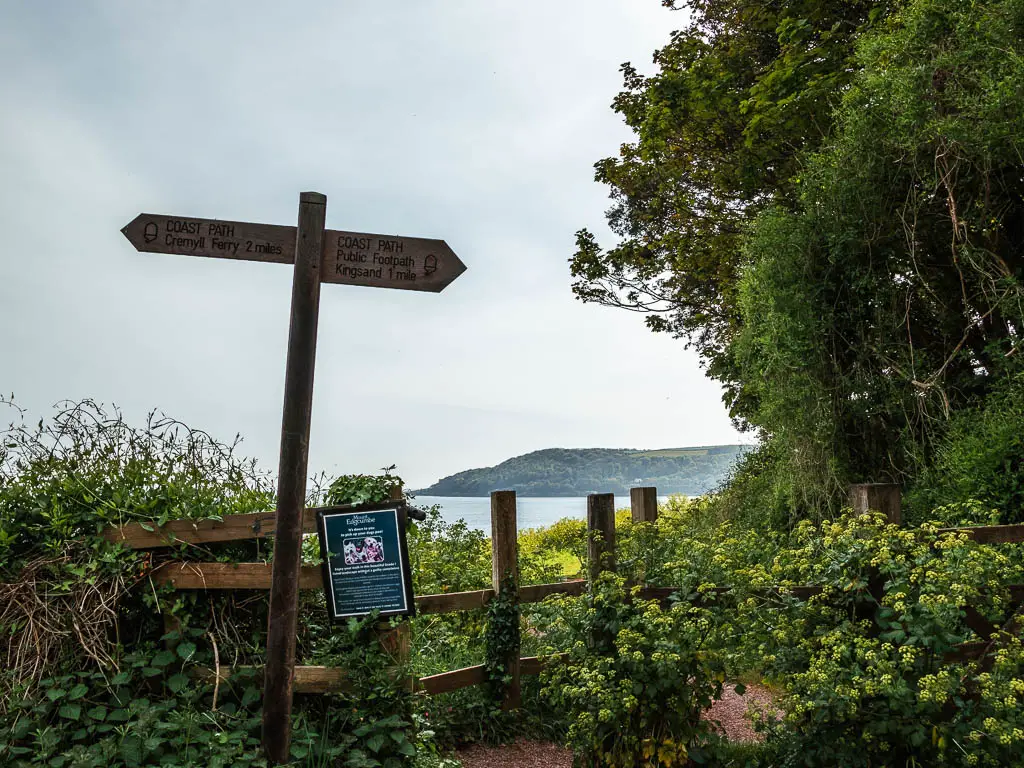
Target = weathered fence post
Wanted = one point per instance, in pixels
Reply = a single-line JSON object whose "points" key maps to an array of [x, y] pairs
{"points": [[505, 575], [600, 534], [879, 497], [644, 503], [396, 641]]}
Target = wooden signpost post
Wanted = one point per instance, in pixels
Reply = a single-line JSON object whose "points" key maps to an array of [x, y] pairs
{"points": [[319, 256]]}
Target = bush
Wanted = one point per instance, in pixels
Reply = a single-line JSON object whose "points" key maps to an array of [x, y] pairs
{"points": [[635, 677], [92, 678], [864, 669], [979, 462]]}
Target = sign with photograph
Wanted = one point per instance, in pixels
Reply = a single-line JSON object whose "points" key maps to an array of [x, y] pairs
{"points": [[366, 561]]}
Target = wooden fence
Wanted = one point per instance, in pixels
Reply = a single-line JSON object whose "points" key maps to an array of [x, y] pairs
{"points": [[504, 535]]}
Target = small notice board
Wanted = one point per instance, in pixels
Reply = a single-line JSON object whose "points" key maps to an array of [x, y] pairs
{"points": [[366, 561]]}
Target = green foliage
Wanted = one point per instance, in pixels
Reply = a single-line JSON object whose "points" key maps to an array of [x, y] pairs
{"points": [[148, 712], [863, 665], [635, 679], [826, 199], [362, 489], [502, 636], [154, 712], [379, 726], [84, 469], [862, 671], [568, 536], [577, 472], [739, 93], [979, 463], [92, 679], [61, 483], [448, 557], [890, 297]]}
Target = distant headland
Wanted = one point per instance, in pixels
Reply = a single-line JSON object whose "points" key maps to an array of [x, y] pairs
{"points": [[579, 471]]}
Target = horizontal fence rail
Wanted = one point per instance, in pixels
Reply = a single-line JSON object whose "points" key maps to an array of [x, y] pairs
{"points": [[601, 556], [260, 525], [233, 576], [312, 679]]}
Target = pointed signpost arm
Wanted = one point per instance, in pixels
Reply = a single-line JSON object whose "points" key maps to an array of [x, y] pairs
{"points": [[291, 488]]}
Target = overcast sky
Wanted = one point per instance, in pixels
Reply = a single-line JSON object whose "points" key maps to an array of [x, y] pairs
{"points": [[475, 122]]}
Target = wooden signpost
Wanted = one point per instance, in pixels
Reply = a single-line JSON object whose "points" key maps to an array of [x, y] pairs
{"points": [[349, 258], [319, 256]]}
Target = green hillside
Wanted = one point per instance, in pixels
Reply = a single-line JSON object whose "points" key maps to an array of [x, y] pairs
{"points": [[579, 471]]}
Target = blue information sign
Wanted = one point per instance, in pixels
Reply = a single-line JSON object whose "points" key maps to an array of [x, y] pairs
{"points": [[366, 561]]}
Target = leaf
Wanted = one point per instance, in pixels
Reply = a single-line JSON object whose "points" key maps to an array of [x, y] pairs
{"points": [[407, 749], [78, 692], [186, 650], [163, 658], [375, 742], [251, 694], [177, 683], [70, 711], [740, 689]]}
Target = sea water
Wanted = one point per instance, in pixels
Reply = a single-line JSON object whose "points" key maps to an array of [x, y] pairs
{"points": [[531, 511]]}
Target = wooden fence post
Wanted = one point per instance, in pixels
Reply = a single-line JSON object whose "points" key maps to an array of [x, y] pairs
{"points": [[600, 534], [879, 497], [396, 641], [644, 503], [505, 563]]}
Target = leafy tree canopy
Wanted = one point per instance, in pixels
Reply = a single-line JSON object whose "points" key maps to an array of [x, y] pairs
{"points": [[827, 200], [737, 95]]}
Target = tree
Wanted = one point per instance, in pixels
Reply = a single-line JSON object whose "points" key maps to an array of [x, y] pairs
{"points": [[738, 95], [827, 199], [891, 296]]}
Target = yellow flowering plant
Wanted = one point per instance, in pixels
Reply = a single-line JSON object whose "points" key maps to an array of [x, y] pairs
{"points": [[869, 669], [635, 677]]}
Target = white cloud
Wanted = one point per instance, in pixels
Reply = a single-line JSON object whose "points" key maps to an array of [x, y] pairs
{"points": [[475, 122]]}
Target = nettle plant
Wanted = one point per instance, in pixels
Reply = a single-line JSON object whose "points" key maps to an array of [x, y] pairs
{"points": [[635, 677], [69, 597]]}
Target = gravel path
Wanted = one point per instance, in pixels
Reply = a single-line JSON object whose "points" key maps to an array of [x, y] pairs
{"points": [[729, 711], [522, 754]]}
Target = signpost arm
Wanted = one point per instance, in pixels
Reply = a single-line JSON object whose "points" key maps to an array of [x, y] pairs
{"points": [[291, 487]]}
